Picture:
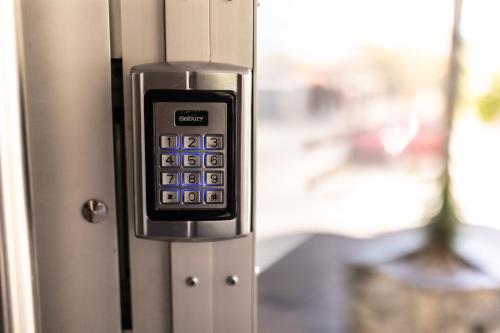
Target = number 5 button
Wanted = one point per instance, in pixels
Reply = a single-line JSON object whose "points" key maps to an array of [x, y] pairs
{"points": [[213, 141], [191, 160], [213, 161]]}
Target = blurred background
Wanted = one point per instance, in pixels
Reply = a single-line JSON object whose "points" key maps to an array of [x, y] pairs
{"points": [[351, 128]]}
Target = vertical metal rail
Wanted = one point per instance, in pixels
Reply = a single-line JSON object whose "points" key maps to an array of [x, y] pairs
{"points": [[16, 261]]}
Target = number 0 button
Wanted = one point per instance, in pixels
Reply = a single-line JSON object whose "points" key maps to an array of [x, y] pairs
{"points": [[213, 142], [191, 142], [191, 196], [213, 161]]}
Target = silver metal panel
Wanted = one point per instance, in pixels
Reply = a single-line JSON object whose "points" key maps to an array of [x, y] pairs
{"points": [[143, 35], [192, 310], [187, 30], [231, 32], [70, 152], [213, 305], [233, 304], [18, 303]]}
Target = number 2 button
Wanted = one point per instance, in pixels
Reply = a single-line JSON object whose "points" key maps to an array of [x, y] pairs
{"points": [[191, 142]]}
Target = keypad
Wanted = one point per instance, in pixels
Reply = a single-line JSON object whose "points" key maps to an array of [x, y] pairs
{"points": [[191, 170]]}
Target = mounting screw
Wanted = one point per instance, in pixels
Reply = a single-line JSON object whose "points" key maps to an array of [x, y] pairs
{"points": [[192, 281], [94, 211], [232, 280]]}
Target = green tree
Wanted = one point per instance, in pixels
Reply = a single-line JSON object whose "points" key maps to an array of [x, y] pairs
{"points": [[442, 227]]}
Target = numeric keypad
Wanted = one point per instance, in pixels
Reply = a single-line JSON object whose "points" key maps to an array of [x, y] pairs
{"points": [[191, 170]]}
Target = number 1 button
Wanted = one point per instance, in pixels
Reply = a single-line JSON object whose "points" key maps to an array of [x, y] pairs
{"points": [[168, 141]]}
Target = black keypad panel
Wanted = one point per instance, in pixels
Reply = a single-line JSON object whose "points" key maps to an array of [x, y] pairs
{"points": [[191, 172]]}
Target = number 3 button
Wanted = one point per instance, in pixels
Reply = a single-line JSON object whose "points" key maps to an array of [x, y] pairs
{"points": [[213, 142], [213, 161]]}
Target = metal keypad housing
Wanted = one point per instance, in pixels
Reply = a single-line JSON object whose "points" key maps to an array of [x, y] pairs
{"points": [[221, 206], [191, 161]]}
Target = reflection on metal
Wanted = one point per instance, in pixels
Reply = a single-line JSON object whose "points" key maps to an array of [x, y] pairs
{"points": [[16, 264]]}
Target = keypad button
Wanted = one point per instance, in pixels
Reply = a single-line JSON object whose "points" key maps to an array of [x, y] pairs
{"points": [[214, 160], [170, 197], [191, 196], [169, 178], [169, 160], [213, 196], [191, 178], [214, 178], [169, 141], [191, 142], [214, 141], [191, 160]]}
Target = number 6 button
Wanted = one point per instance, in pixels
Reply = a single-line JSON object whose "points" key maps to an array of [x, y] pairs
{"points": [[213, 141], [213, 160]]}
